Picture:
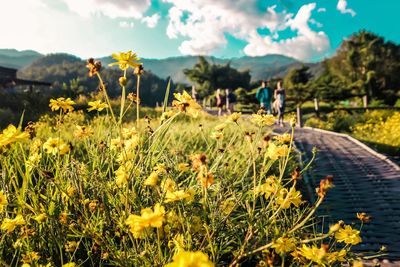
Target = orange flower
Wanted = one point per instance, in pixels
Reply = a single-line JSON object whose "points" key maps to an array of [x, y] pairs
{"points": [[324, 185], [93, 66], [363, 217]]}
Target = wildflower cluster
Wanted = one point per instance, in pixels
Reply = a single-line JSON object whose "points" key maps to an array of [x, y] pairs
{"points": [[101, 191]]}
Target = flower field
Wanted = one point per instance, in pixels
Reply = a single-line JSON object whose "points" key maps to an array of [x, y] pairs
{"points": [[183, 189]]}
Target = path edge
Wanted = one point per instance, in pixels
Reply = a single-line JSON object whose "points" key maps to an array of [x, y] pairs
{"points": [[359, 143]]}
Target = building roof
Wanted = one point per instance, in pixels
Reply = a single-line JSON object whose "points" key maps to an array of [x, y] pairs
{"points": [[8, 78]]}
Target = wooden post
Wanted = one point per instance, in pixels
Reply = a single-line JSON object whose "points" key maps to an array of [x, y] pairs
{"points": [[316, 106], [299, 117], [365, 101]]}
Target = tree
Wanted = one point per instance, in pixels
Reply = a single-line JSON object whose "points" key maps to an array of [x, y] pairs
{"points": [[296, 84], [367, 65], [209, 77]]}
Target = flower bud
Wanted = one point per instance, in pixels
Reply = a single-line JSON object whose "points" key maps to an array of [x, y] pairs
{"points": [[122, 81], [292, 122], [138, 70]]}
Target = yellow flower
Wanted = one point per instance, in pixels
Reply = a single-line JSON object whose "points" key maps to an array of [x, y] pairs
{"points": [[189, 258], [286, 198], [185, 103], [220, 127], [315, 254], [284, 245], [82, 132], [69, 264], [9, 225], [129, 133], [40, 218], [97, 105], [348, 235], [71, 246], [62, 103], [148, 218], [168, 185], [268, 188], [358, 264], [337, 256], [3, 201], [183, 167], [152, 179], [205, 177], [127, 147], [160, 169], [12, 134], [217, 135], [56, 145], [122, 174], [178, 195], [125, 60], [275, 152], [284, 138], [234, 117], [30, 257], [263, 120]]}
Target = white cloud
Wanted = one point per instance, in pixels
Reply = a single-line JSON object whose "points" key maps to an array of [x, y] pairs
{"points": [[306, 45], [342, 7], [321, 9], [109, 8], [126, 24], [205, 22], [151, 21]]}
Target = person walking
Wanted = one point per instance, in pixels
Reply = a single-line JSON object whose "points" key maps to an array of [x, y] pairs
{"points": [[280, 98], [264, 95], [230, 100], [220, 104]]}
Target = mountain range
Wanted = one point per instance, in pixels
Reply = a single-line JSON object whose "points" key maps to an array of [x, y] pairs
{"points": [[260, 67]]}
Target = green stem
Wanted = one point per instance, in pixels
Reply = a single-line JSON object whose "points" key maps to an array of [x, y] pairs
{"points": [[301, 224], [103, 88], [121, 113], [137, 101]]}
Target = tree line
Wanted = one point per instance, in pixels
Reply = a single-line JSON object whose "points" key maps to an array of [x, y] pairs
{"points": [[364, 65]]}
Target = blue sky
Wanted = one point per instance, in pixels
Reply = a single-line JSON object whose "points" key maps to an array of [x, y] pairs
{"points": [[304, 29]]}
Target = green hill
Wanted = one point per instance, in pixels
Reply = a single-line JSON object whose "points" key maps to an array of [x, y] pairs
{"points": [[13, 58], [260, 67]]}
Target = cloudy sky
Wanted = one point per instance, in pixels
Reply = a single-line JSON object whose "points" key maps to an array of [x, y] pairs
{"points": [[308, 30]]}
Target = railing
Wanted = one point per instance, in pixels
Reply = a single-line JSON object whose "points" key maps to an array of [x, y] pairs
{"points": [[300, 112]]}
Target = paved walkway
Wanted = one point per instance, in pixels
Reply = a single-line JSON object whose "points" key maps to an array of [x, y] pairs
{"points": [[363, 183]]}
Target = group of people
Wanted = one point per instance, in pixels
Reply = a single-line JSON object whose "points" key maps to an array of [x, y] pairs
{"points": [[272, 101], [230, 100]]}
